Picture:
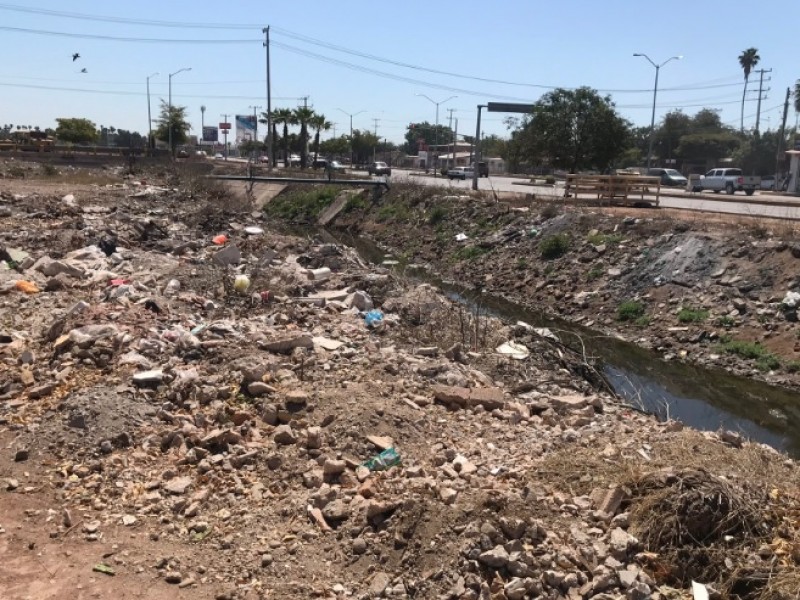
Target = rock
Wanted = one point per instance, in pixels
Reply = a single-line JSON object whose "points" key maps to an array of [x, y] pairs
{"points": [[612, 500], [172, 288], [21, 455], [336, 511], [380, 442], [515, 589], [359, 545], [627, 577], [284, 435], [462, 397], [287, 344], [230, 255], [258, 388], [314, 438], [148, 378], [178, 485], [128, 520], [173, 577], [333, 468], [296, 400], [11, 485], [791, 300], [496, 558], [621, 542], [41, 391], [56, 267], [360, 301], [570, 402], [380, 581], [638, 591], [448, 495], [732, 438]]}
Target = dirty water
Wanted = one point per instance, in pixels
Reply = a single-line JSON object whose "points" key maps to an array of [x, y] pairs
{"points": [[701, 397]]}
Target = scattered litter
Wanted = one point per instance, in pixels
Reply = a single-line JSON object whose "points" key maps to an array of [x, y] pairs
{"points": [[104, 568], [533, 232], [241, 284], [327, 344], [461, 237], [514, 350], [118, 282], [546, 333], [319, 274], [699, 591], [27, 287], [386, 459], [219, 240], [253, 230], [373, 317]]}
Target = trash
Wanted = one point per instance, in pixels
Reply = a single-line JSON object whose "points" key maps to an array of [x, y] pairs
{"points": [[118, 282], [546, 333], [319, 274], [241, 284], [514, 350], [386, 459], [533, 232], [219, 240], [373, 317], [265, 296], [104, 568], [791, 300], [27, 287], [699, 591], [253, 230], [461, 237], [152, 306]]}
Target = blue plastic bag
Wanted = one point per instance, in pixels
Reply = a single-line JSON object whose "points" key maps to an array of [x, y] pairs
{"points": [[373, 317]]}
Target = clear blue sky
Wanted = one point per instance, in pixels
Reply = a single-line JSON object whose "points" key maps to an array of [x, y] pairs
{"points": [[569, 43]]}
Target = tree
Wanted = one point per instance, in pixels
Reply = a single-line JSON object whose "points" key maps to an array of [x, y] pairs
{"points": [[426, 134], [75, 131], [668, 136], [748, 59], [708, 146], [575, 130], [286, 117], [363, 144], [173, 117], [757, 154], [303, 115], [319, 123], [336, 147]]}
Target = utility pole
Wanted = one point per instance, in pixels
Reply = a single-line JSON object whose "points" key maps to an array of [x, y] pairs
{"points": [[477, 149], [375, 147], [780, 139], [760, 88], [333, 126], [225, 134], [305, 101], [451, 111], [270, 153], [149, 119], [455, 140]]}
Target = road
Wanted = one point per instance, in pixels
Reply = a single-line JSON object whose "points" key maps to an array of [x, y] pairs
{"points": [[786, 207]]}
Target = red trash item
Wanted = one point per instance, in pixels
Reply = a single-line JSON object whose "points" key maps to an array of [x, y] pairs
{"points": [[220, 239], [265, 296], [28, 287], [116, 282]]}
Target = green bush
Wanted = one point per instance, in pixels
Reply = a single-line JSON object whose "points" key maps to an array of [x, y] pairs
{"points": [[437, 215], [765, 360], [301, 204], [550, 211], [726, 321], [49, 170], [595, 273], [554, 246], [630, 310], [394, 212], [688, 315], [470, 252], [605, 238], [356, 202], [642, 321], [550, 180]]}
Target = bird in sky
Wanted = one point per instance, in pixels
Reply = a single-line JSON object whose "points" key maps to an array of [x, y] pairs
{"points": [[84, 70], [75, 57]]}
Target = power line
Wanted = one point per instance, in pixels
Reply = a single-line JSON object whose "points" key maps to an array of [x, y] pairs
{"points": [[91, 36]]}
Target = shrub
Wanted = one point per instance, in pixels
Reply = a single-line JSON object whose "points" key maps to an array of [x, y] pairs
{"points": [[297, 205], [550, 211], [765, 360], [595, 273], [630, 310], [642, 321], [726, 321], [437, 215], [550, 180], [49, 170], [604, 238], [554, 246], [688, 315], [470, 252]]}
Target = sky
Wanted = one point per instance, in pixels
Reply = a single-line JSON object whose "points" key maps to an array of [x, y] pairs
{"points": [[373, 59]]}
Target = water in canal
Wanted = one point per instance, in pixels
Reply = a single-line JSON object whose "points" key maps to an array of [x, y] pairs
{"points": [[704, 398]]}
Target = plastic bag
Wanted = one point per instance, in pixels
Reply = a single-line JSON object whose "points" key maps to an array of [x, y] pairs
{"points": [[28, 287], [373, 317], [388, 458]]}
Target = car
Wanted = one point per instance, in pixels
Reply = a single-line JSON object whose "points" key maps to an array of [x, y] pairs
{"points": [[320, 163], [200, 154], [294, 160], [336, 166], [462, 173], [483, 169], [263, 159], [669, 177], [379, 168], [729, 180], [218, 156], [183, 154]]}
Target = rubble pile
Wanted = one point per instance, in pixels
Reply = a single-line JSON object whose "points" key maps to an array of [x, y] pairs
{"points": [[245, 414]]}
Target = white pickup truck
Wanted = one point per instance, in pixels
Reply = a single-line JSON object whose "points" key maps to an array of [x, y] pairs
{"points": [[730, 180]]}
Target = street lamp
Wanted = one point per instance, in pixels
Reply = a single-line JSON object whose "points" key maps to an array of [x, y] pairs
{"points": [[169, 108], [655, 92], [436, 131], [351, 131], [149, 118]]}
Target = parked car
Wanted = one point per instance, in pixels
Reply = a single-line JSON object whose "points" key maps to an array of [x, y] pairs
{"points": [[294, 160], [183, 153], [379, 168], [320, 163], [669, 177], [218, 156], [336, 166], [263, 159], [460, 173], [483, 169], [768, 183], [730, 180], [200, 154]]}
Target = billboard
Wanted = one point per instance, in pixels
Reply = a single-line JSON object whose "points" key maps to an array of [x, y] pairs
{"points": [[245, 128], [210, 134]]}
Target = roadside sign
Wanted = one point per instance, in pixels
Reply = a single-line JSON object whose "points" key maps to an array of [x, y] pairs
{"points": [[224, 125], [509, 107]]}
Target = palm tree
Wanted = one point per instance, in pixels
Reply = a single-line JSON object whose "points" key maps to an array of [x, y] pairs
{"points": [[319, 123], [748, 59], [303, 115], [285, 116]]}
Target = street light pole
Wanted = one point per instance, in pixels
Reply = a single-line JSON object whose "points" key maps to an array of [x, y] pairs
{"points": [[149, 118], [351, 131], [436, 131], [655, 93], [169, 107]]}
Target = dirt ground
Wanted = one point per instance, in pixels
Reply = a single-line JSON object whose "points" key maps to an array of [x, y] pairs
{"points": [[203, 416]]}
